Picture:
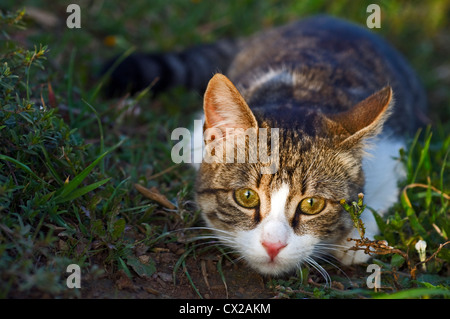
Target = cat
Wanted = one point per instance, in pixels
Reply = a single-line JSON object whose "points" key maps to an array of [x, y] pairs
{"points": [[343, 102]]}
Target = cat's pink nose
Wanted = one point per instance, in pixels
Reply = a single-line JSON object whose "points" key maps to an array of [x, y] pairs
{"points": [[273, 248]]}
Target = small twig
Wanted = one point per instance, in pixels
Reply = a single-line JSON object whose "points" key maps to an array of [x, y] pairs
{"points": [[155, 195], [163, 172]]}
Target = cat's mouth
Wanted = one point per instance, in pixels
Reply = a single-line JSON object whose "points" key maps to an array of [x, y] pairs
{"points": [[272, 265]]}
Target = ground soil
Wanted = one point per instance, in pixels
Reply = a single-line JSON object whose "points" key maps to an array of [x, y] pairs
{"points": [[239, 281]]}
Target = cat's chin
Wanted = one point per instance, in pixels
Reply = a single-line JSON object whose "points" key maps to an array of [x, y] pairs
{"points": [[272, 268], [276, 267]]}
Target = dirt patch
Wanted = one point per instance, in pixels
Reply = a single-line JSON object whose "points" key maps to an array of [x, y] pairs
{"points": [[203, 273]]}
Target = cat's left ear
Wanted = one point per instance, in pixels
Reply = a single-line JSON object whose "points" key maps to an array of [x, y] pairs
{"points": [[225, 107], [366, 118]]}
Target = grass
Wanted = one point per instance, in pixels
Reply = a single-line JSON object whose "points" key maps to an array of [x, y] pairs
{"points": [[69, 158]]}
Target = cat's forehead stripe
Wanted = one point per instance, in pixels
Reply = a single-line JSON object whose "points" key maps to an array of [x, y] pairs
{"points": [[278, 201]]}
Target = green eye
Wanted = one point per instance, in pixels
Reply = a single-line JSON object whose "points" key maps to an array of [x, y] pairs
{"points": [[312, 205], [246, 197]]}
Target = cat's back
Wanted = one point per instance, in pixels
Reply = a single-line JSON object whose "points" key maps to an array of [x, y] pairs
{"points": [[328, 63]]}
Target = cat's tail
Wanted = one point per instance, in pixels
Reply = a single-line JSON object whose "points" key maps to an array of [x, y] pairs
{"points": [[191, 68]]}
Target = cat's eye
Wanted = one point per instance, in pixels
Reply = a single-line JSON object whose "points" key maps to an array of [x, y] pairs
{"points": [[312, 205], [246, 197]]}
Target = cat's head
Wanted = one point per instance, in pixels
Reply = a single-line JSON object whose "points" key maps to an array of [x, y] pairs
{"points": [[279, 220]]}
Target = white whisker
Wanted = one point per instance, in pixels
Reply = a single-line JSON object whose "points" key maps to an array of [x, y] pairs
{"points": [[239, 258], [224, 239], [320, 269], [331, 245], [323, 258]]}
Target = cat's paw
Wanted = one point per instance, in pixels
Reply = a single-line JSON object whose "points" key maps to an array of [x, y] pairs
{"points": [[351, 257]]}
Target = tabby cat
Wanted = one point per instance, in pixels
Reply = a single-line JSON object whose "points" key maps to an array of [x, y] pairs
{"points": [[343, 102]]}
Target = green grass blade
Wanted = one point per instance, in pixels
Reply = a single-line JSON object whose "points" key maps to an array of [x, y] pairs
{"points": [[81, 191], [222, 275], [110, 199], [102, 140], [22, 166], [111, 69], [181, 260], [190, 280], [70, 187], [70, 83], [424, 157], [74, 183], [441, 175], [409, 162], [124, 267], [48, 164], [415, 293]]}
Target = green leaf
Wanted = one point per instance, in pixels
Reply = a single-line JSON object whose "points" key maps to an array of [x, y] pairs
{"points": [[143, 270], [118, 228], [397, 261], [97, 228]]}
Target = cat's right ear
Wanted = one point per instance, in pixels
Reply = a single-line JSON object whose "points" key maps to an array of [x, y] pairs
{"points": [[225, 107], [366, 118]]}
